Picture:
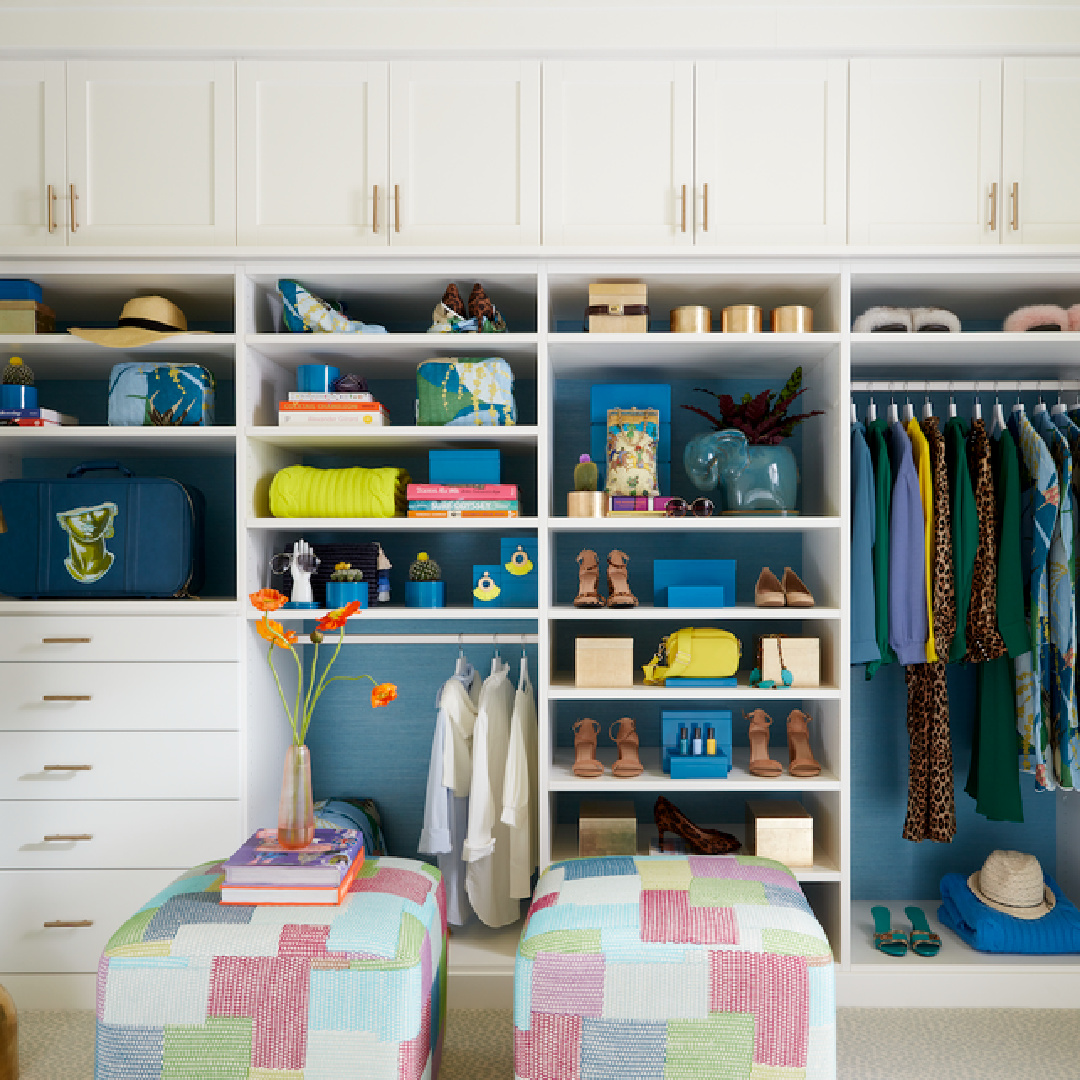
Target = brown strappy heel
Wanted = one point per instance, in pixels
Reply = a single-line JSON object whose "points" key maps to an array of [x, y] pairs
{"points": [[760, 762], [619, 594], [669, 818], [588, 594], [585, 760], [629, 763], [801, 758]]}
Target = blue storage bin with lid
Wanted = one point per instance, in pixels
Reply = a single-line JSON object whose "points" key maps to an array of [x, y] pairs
{"points": [[20, 289], [464, 467], [675, 582]]}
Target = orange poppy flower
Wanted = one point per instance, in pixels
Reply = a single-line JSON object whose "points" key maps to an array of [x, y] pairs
{"points": [[268, 599], [383, 694], [275, 633], [336, 619]]}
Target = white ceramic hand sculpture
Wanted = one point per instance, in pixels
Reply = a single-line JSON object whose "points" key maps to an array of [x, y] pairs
{"points": [[302, 563]]}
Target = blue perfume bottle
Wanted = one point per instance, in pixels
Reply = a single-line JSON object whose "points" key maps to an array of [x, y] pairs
{"points": [[697, 739], [684, 741]]}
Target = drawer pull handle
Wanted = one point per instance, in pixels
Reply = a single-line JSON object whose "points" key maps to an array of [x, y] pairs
{"points": [[65, 641], [74, 210], [65, 697], [68, 768], [67, 922], [61, 837]]}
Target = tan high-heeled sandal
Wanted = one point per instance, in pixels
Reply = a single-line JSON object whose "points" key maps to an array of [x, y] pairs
{"points": [[760, 762], [619, 594], [796, 594], [801, 758], [585, 760], [629, 763], [588, 594], [768, 592]]}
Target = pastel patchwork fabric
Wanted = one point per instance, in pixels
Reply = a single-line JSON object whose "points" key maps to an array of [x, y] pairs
{"points": [[673, 967], [190, 989]]}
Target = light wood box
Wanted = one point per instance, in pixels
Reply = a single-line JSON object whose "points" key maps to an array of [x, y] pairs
{"points": [[802, 657], [604, 662], [26, 317], [607, 828], [780, 829], [617, 296]]}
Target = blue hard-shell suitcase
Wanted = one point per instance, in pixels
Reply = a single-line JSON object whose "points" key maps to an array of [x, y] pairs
{"points": [[94, 536]]}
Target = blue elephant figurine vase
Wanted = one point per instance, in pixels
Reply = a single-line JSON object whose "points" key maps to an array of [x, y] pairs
{"points": [[756, 479]]}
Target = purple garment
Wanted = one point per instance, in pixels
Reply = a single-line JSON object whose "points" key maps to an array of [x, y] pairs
{"points": [[908, 622]]}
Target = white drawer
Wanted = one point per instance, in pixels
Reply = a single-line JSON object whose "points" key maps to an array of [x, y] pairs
{"points": [[118, 637], [119, 765], [125, 696], [104, 898], [116, 835]]}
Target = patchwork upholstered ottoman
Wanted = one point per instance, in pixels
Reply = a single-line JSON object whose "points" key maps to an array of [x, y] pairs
{"points": [[673, 967], [190, 989]]}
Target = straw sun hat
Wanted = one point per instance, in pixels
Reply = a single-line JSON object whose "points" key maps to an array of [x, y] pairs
{"points": [[1012, 882], [143, 319]]}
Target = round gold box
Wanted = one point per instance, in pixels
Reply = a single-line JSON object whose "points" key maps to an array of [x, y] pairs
{"points": [[741, 319], [793, 319], [691, 319], [586, 504]]}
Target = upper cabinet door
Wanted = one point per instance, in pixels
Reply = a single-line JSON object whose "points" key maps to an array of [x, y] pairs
{"points": [[618, 152], [312, 152], [771, 152], [33, 195], [464, 152], [1040, 152], [925, 152], [151, 152]]}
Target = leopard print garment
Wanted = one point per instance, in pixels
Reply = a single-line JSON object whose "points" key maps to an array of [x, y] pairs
{"points": [[983, 640]]}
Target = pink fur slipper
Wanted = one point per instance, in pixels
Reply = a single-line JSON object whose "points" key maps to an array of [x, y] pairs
{"points": [[1074, 318], [1037, 317]]}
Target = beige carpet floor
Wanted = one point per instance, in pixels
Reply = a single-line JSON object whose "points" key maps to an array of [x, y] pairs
{"points": [[873, 1044]]}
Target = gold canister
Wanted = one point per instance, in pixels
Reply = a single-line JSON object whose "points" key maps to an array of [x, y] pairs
{"points": [[792, 319], [691, 319], [586, 504], [741, 319]]}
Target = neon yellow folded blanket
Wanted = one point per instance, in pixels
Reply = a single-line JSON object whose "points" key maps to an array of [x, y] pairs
{"points": [[303, 491]]}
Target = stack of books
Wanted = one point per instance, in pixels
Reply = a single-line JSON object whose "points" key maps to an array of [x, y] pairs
{"points": [[463, 500], [35, 418], [317, 409], [261, 871]]}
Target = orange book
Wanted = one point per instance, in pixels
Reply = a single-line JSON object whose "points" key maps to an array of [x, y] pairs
{"points": [[463, 514], [329, 406]]}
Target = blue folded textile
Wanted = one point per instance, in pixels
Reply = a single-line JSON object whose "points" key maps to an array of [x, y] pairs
{"points": [[983, 928]]}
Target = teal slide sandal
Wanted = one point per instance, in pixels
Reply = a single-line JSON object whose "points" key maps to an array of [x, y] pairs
{"points": [[924, 941], [889, 941]]}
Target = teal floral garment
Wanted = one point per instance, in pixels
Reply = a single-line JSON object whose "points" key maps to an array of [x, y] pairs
{"points": [[1039, 501]]}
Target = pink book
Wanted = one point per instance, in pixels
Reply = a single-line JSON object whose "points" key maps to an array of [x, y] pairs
{"points": [[462, 491]]}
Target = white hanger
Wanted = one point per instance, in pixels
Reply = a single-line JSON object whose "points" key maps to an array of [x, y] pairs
{"points": [[892, 415], [462, 664], [909, 409], [871, 412], [1040, 406], [496, 660], [997, 425], [927, 409], [1060, 407], [976, 408], [523, 670], [952, 405], [854, 413], [1018, 408]]}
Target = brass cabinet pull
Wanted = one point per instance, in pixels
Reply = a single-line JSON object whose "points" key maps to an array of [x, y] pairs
{"points": [[993, 207], [67, 922], [375, 208], [50, 198], [59, 837], [397, 208], [65, 697], [67, 768], [74, 212], [1015, 206], [704, 207], [683, 225], [65, 641]]}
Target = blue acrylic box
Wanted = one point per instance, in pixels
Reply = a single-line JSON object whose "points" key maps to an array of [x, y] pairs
{"points": [[694, 582], [672, 719], [519, 556], [464, 467]]}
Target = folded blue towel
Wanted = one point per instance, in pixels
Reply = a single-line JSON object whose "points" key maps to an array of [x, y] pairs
{"points": [[988, 930]]}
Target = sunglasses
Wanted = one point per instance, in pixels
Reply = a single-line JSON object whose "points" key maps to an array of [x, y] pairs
{"points": [[699, 508]]}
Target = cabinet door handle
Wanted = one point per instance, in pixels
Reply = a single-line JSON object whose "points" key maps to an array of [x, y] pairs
{"points": [[397, 208], [67, 922], [50, 198], [65, 697], [375, 208], [993, 207], [1015, 206], [704, 207], [65, 641], [57, 837], [67, 768], [74, 210], [683, 222]]}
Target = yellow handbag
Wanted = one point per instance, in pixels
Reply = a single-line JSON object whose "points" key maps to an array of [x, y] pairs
{"points": [[694, 653]]}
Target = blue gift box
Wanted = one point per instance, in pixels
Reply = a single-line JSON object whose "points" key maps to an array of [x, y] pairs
{"points": [[484, 594], [694, 575], [672, 719], [464, 467], [604, 396], [519, 556]]}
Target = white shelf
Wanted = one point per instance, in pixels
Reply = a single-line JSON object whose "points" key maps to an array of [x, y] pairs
{"points": [[66, 440], [389, 524], [518, 439], [65, 356], [648, 611], [653, 778], [562, 688], [388, 611], [717, 523]]}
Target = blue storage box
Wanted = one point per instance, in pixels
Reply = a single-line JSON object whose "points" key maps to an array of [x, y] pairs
{"points": [[700, 766], [696, 575], [148, 393], [604, 396], [693, 596], [672, 719], [20, 289], [487, 585], [519, 556], [464, 467]]}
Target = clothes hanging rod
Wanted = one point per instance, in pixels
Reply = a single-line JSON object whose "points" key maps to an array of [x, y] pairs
{"points": [[507, 640], [980, 386]]}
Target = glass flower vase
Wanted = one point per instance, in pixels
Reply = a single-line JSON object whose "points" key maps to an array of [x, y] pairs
{"points": [[296, 810]]}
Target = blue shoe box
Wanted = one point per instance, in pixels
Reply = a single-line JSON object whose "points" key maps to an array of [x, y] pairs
{"points": [[464, 467], [672, 719], [519, 589], [690, 576], [604, 396]]}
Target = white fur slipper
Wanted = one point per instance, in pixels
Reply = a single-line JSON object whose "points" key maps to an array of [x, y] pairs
{"points": [[1037, 317], [878, 320], [934, 320], [1074, 318]]}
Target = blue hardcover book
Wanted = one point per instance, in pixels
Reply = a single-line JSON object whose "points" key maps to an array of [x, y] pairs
{"points": [[261, 860]]}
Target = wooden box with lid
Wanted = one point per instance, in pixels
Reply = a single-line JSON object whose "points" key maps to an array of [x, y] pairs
{"points": [[618, 308], [780, 829]]}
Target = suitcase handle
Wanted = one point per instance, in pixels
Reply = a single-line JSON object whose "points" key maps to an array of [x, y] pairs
{"points": [[91, 466]]}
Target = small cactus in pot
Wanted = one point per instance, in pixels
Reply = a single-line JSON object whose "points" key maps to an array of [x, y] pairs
{"points": [[344, 571], [425, 568], [425, 587], [345, 585]]}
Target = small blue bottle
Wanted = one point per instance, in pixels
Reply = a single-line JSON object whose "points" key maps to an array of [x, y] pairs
{"points": [[697, 740], [684, 741]]}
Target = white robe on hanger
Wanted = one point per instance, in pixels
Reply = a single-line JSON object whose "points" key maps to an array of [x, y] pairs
{"points": [[487, 842], [519, 788]]}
